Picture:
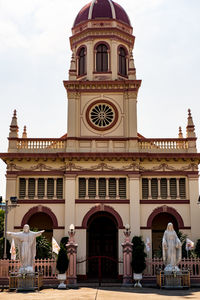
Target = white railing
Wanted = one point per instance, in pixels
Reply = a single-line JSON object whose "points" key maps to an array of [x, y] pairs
{"points": [[192, 264], [35, 144], [163, 144]]}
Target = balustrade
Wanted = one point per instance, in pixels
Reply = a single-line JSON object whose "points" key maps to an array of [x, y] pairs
{"points": [[35, 144], [163, 144]]}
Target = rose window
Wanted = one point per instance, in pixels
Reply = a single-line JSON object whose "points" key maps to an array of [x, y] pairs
{"points": [[102, 115]]}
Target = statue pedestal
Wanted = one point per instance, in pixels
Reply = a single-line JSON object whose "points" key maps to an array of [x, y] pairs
{"points": [[173, 280], [26, 282]]}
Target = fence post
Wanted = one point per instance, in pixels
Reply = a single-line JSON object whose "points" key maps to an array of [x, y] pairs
{"points": [[72, 255], [127, 257]]}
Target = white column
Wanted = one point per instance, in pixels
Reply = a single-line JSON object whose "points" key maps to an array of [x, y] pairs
{"points": [[159, 188], [149, 186], [70, 196], [55, 186], [36, 188], [168, 188], [134, 187], [87, 189], [117, 188], [45, 188], [107, 188], [97, 188], [26, 192], [91, 58], [178, 188]]}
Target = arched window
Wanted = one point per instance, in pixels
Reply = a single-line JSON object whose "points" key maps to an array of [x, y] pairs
{"points": [[102, 58], [81, 62], [122, 62]]}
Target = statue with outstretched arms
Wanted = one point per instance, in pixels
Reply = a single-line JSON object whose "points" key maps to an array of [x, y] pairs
{"points": [[26, 242]]}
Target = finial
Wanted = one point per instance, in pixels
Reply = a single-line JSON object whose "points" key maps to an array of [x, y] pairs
{"points": [[190, 126], [24, 134], [180, 134], [13, 126]]}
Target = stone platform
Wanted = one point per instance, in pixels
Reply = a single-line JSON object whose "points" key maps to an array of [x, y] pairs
{"points": [[173, 280], [25, 282]]}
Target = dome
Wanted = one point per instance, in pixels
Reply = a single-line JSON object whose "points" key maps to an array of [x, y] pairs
{"points": [[105, 9]]}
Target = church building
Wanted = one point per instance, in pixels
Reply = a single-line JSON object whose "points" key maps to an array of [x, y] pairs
{"points": [[103, 174]]}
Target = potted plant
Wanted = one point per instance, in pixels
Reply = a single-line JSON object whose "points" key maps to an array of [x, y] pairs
{"points": [[62, 266], [138, 259]]}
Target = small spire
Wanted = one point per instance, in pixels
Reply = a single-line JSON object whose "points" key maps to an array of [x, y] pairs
{"points": [[13, 126], [132, 70], [190, 129], [73, 63], [72, 70], [24, 134], [180, 134]]}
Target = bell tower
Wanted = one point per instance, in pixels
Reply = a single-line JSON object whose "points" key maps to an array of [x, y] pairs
{"points": [[102, 88]]}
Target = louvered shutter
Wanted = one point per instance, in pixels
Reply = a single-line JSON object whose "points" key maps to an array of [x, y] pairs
{"points": [[22, 188], [82, 187], [50, 188], [173, 191], [182, 188], [154, 188], [112, 188], [145, 188], [59, 188], [102, 187], [31, 188], [41, 188], [122, 188], [92, 188], [163, 188]]}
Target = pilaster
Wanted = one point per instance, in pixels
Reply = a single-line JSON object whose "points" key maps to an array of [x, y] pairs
{"points": [[194, 210], [70, 195], [134, 187], [11, 191]]}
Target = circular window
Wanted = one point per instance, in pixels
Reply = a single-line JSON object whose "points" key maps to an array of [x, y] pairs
{"points": [[102, 115]]}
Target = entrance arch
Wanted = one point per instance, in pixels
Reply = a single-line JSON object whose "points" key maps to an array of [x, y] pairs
{"points": [[42, 221], [102, 240], [159, 225]]}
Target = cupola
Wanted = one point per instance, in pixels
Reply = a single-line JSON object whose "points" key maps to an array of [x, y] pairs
{"points": [[102, 9]]}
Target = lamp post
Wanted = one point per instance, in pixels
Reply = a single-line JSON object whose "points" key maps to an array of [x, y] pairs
{"points": [[7, 207]]}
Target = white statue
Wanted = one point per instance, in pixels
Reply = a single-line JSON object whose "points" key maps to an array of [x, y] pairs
{"points": [[26, 242], [171, 246]]}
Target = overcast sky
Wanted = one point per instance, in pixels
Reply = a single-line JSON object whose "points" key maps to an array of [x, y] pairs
{"points": [[35, 57]]}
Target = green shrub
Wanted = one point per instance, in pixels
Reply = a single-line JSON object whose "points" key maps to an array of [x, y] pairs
{"points": [[62, 260], [64, 241], [197, 248], [138, 256], [43, 248]]}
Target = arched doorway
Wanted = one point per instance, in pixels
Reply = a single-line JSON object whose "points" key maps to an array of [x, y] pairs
{"points": [[42, 221], [159, 225], [102, 240]]}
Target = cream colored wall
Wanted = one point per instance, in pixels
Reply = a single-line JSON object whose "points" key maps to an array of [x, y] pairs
{"points": [[11, 191], [194, 207], [70, 193], [81, 252]]}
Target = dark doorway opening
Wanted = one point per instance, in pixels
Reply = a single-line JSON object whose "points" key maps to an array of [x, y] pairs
{"points": [[159, 225], [102, 240], [42, 221]]}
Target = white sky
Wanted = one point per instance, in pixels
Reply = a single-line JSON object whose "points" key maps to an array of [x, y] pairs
{"points": [[35, 56]]}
